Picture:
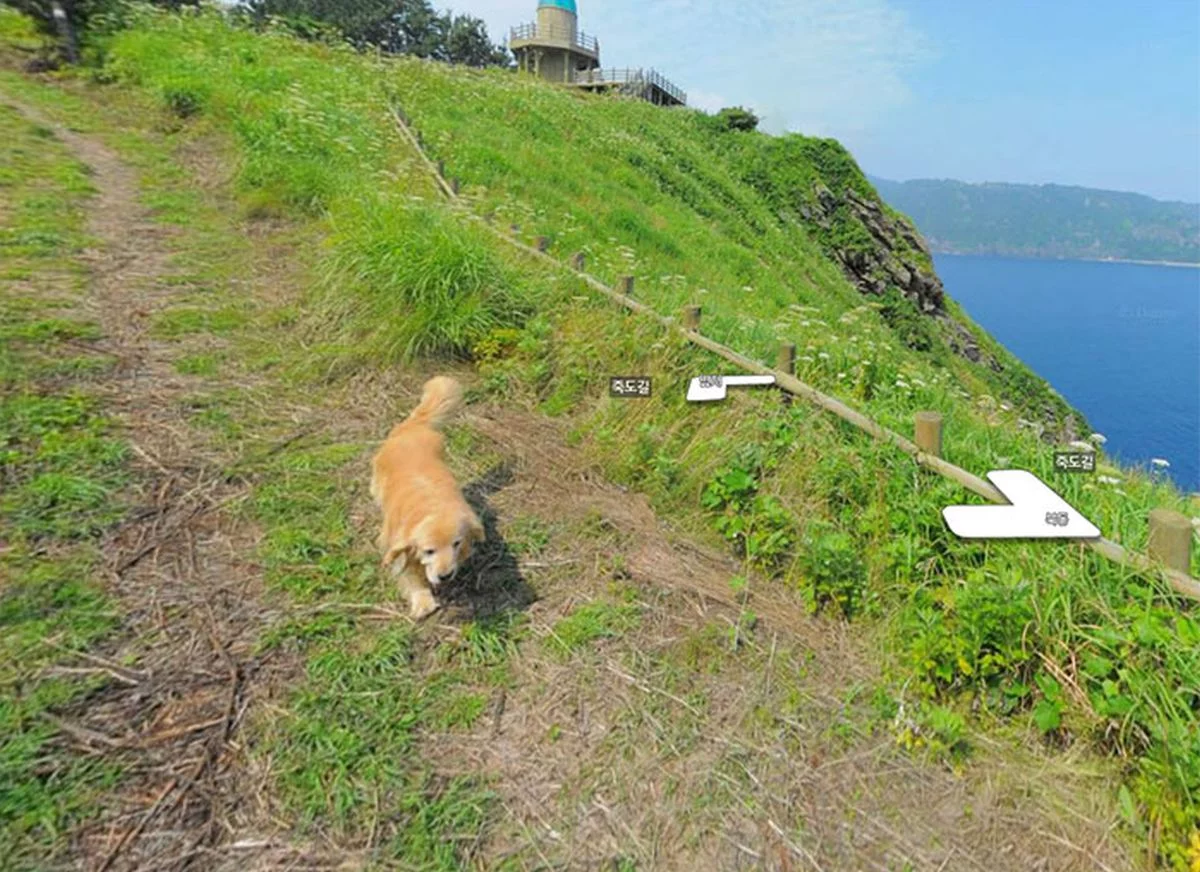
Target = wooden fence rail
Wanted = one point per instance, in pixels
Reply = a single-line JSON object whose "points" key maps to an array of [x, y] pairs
{"points": [[1168, 556]]}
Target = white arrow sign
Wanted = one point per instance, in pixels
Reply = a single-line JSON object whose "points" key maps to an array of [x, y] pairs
{"points": [[1035, 512], [707, 388]]}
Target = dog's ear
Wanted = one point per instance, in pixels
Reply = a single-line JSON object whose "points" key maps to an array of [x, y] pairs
{"points": [[478, 534], [399, 552]]}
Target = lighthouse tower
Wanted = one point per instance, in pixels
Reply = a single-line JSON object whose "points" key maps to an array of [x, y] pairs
{"points": [[554, 47], [558, 16]]}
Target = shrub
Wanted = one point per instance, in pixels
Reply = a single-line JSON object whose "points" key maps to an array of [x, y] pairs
{"points": [[737, 118], [184, 100], [833, 569]]}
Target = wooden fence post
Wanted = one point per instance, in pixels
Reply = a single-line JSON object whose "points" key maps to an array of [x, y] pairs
{"points": [[691, 317], [627, 285], [543, 243], [577, 261], [454, 186], [1171, 539], [928, 432], [785, 362]]}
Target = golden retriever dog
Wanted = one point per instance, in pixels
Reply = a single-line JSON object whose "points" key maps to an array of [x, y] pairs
{"points": [[428, 528]]}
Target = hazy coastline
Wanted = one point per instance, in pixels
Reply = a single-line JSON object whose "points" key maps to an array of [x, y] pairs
{"points": [[1174, 263]]}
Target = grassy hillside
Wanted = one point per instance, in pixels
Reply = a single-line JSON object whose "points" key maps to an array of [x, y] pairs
{"points": [[1037, 637], [1060, 221]]}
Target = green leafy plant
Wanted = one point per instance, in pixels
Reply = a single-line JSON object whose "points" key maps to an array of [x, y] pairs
{"points": [[833, 570], [1048, 712]]}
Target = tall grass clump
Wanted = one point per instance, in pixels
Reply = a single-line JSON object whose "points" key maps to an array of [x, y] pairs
{"points": [[413, 280]]}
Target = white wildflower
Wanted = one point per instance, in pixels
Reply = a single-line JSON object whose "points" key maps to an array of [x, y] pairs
{"points": [[1159, 462], [1107, 479]]}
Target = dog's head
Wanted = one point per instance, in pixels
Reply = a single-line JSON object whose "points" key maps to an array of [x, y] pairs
{"points": [[442, 542]]}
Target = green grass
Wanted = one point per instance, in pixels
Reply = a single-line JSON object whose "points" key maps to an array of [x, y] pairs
{"points": [[453, 286], [334, 769], [181, 321], [61, 474], [695, 215], [589, 622], [199, 364], [349, 748]]}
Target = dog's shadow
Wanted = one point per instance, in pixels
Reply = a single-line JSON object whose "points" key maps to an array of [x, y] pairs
{"points": [[491, 582]]}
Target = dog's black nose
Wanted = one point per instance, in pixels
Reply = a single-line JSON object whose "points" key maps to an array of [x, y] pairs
{"points": [[446, 577]]}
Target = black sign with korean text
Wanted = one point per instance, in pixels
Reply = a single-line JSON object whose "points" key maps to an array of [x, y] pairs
{"points": [[629, 386], [1075, 461]]}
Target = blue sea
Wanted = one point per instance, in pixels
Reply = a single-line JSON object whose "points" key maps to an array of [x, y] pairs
{"points": [[1120, 341]]}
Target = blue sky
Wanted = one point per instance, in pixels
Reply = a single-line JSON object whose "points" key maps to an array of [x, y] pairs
{"points": [[1101, 93]]}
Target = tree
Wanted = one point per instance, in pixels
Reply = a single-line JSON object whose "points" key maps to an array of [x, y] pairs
{"points": [[467, 42], [737, 118], [362, 22], [79, 12], [80, 15], [396, 26]]}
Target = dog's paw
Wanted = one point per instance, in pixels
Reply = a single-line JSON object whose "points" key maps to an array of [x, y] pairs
{"points": [[422, 605]]}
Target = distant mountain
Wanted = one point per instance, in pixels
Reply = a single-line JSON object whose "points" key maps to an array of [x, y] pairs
{"points": [[1053, 221]]}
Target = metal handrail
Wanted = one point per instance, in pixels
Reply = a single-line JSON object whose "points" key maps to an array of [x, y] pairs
{"points": [[578, 39], [630, 76]]}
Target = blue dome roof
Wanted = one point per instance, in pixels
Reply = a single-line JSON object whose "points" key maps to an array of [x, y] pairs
{"points": [[568, 5]]}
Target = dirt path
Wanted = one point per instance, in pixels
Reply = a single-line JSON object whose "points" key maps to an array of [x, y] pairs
{"points": [[667, 721], [664, 749], [177, 566]]}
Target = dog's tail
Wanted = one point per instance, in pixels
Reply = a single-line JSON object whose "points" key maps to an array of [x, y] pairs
{"points": [[439, 398]]}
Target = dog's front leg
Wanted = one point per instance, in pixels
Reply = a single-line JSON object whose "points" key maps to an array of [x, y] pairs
{"points": [[421, 601]]}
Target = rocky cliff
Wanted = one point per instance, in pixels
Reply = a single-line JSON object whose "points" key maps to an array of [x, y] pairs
{"points": [[881, 252], [897, 256]]}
